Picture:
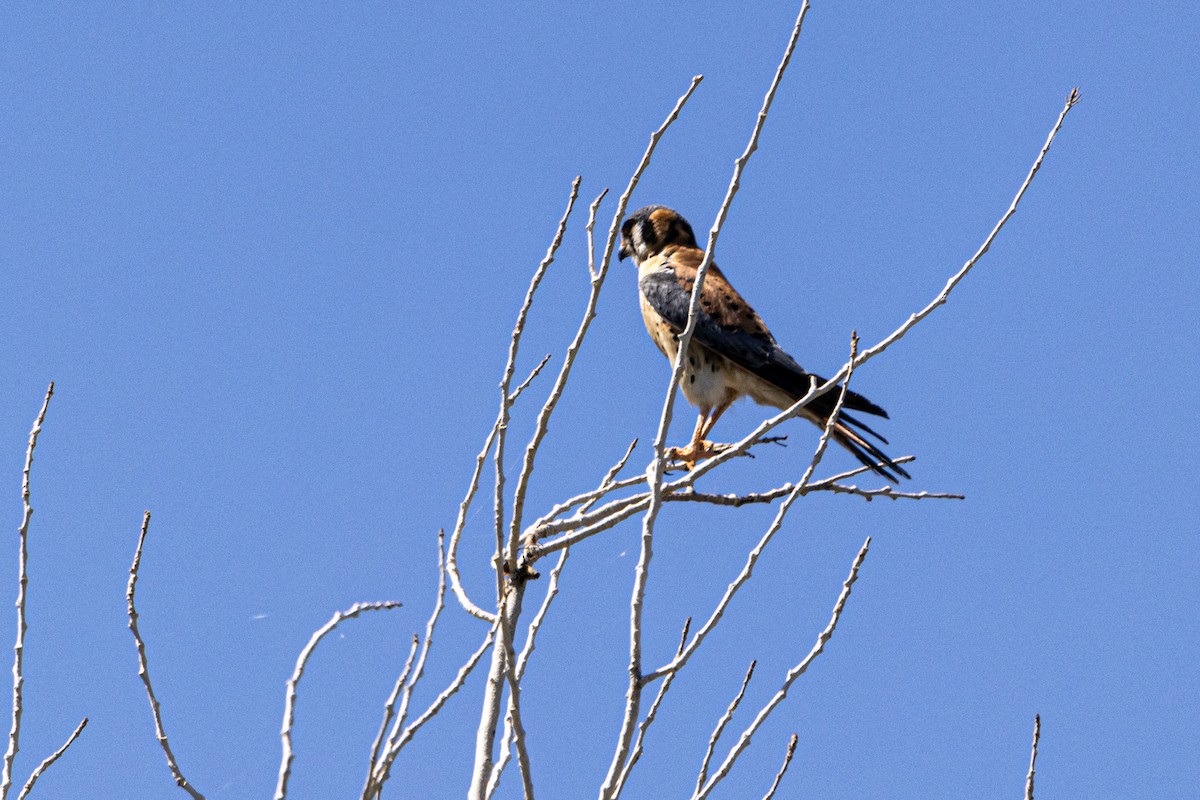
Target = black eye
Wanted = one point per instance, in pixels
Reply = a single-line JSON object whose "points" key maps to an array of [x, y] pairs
{"points": [[627, 228]]}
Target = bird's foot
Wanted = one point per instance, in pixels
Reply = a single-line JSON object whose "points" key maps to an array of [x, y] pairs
{"points": [[696, 451]]}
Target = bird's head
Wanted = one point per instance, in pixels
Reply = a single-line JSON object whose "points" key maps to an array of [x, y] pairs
{"points": [[650, 230]]}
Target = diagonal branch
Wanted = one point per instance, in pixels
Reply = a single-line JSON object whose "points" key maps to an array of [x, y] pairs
{"points": [[57, 754], [721, 723], [794, 673]]}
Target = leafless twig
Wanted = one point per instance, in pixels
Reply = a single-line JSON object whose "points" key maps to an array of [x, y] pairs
{"points": [[794, 673], [144, 665], [389, 709], [1037, 733], [37, 773], [787, 759], [289, 710], [720, 727], [14, 733]]}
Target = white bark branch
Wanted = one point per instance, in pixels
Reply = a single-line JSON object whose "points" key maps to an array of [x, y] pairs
{"points": [[636, 754], [14, 734], [1037, 733], [144, 665]]}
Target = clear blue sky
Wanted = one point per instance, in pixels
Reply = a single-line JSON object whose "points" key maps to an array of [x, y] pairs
{"points": [[271, 256]]}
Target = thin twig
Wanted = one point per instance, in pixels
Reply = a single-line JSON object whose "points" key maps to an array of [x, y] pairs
{"points": [[289, 709], [384, 770], [720, 727], [37, 773], [636, 754], [389, 709], [144, 665], [1037, 733], [525, 383], [787, 759], [794, 673], [14, 733], [426, 645]]}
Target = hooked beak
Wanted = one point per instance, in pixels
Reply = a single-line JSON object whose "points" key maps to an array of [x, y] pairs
{"points": [[625, 252]]}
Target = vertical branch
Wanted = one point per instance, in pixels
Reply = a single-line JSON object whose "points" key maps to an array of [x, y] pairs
{"points": [[1037, 733], [511, 598], [144, 665], [14, 733], [485, 735], [657, 466], [289, 709]]}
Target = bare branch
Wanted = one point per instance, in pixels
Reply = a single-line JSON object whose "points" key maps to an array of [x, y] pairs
{"points": [[787, 759], [289, 710], [144, 665], [427, 643], [636, 754], [1037, 733], [899, 333], [14, 733], [37, 773], [525, 383], [388, 713], [794, 673], [508, 556], [720, 727], [514, 713], [384, 769]]}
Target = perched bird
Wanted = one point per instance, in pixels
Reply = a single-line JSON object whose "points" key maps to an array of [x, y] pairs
{"points": [[732, 354]]}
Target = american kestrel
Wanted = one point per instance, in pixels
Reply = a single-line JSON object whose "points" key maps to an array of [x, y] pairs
{"points": [[732, 354]]}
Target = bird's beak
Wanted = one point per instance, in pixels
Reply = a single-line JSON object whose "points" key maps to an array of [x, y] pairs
{"points": [[624, 252]]}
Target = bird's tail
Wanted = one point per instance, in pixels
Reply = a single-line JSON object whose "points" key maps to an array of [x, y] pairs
{"points": [[851, 432]]}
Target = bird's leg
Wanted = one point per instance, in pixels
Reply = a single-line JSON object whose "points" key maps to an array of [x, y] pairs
{"points": [[700, 447]]}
